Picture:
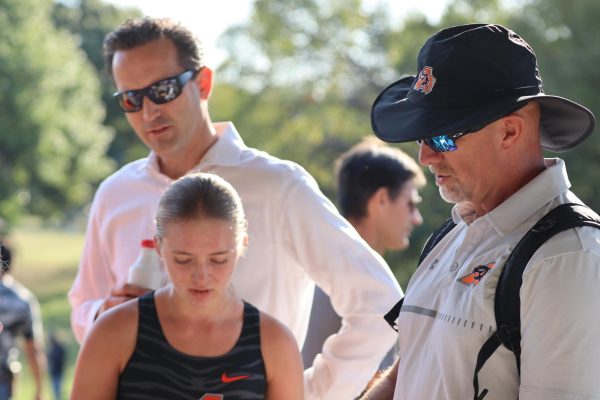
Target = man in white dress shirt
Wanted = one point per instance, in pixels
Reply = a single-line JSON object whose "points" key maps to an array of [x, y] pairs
{"points": [[296, 235]]}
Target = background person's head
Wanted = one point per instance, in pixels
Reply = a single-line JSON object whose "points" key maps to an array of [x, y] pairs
{"points": [[378, 193], [200, 232], [5, 258]]}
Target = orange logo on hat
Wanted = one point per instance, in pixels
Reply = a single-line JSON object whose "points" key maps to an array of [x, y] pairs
{"points": [[477, 275], [425, 81]]}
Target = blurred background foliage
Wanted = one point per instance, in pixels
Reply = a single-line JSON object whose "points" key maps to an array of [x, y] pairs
{"points": [[298, 80]]}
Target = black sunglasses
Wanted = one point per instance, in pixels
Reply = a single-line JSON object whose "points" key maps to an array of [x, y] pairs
{"points": [[160, 92]]}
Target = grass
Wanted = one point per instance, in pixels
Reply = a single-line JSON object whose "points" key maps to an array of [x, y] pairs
{"points": [[45, 261]]}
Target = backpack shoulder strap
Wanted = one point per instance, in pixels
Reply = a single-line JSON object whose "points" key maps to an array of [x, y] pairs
{"points": [[507, 302], [435, 237]]}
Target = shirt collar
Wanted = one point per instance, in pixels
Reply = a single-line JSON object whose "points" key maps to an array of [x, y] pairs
{"points": [[526, 201], [225, 152]]}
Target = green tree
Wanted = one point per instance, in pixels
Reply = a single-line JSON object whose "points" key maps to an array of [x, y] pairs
{"points": [[53, 142], [564, 36], [306, 72], [90, 21], [301, 78], [302, 74]]}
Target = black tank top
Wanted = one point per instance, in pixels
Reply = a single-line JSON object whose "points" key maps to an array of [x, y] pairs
{"points": [[158, 371]]}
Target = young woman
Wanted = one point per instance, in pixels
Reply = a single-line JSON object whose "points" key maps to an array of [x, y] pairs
{"points": [[194, 338]]}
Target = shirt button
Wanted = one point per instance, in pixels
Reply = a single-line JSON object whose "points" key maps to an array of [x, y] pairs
{"points": [[454, 267]]}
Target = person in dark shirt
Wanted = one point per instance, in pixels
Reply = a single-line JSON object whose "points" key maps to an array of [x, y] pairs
{"points": [[194, 338]]}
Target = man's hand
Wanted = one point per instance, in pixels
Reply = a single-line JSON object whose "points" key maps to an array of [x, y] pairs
{"points": [[121, 294]]}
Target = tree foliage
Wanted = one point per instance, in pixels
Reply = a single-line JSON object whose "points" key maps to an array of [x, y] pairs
{"points": [[53, 142], [564, 36], [307, 70], [299, 82], [302, 74], [90, 21]]}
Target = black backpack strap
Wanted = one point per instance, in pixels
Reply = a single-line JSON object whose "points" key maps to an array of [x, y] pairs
{"points": [[392, 315], [435, 237], [507, 302]]}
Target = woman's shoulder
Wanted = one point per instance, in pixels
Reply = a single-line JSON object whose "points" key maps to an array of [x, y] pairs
{"points": [[109, 344], [274, 335], [119, 318], [281, 356], [116, 329]]}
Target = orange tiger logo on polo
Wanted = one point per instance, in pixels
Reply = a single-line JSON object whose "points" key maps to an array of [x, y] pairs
{"points": [[477, 275]]}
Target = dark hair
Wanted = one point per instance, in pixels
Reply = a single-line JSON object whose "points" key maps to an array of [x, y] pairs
{"points": [[368, 166], [200, 195], [140, 31], [6, 258]]}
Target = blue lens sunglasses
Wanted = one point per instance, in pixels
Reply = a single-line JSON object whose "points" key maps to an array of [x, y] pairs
{"points": [[444, 143]]}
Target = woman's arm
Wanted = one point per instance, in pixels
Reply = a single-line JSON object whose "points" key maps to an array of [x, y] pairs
{"points": [[105, 352], [282, 360]]}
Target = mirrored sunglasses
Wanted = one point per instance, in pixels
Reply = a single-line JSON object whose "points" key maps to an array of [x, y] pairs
{"points": [[160, 92], [443, 143]]}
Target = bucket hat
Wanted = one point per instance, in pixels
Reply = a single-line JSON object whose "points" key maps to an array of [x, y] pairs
{"points": [[470, 76]]}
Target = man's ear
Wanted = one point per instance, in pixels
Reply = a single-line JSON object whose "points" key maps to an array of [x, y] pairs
{"points": [[378, 201], [204, 81], [513, 128]]}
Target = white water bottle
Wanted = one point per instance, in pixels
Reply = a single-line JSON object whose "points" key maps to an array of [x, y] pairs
{"points": [[146, 271]]}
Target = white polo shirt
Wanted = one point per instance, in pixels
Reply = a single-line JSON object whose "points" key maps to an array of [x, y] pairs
{"points": [[447, 315]]}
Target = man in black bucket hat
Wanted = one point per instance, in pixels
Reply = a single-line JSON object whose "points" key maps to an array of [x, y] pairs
{"points": [[481, 118]]}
